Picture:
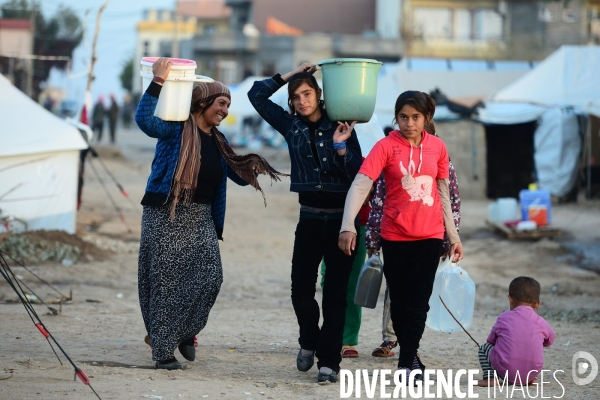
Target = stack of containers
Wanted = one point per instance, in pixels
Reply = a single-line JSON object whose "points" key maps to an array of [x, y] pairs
{"points": [[536, 206]]}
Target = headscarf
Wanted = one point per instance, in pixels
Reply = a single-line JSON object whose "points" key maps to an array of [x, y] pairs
{"points": [[188, 165]]}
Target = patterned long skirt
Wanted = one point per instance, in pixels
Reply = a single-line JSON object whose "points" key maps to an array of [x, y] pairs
{"points": [[179, 274]]}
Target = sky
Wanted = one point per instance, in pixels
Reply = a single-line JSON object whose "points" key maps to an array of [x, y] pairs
{"points": [[116, 44]]}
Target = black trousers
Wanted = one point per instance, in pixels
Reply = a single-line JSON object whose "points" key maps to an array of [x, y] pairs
{"points": [[409, 270], [317, 239]]}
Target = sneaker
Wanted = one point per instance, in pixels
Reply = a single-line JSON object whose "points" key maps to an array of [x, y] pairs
{"points": [[187, 349], [305, 363], [323, 377], [169, 364], [417, 377]]}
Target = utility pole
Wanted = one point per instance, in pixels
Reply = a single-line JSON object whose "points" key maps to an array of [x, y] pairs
{"points": [[87, 105], [30, 63], [175, 47]]}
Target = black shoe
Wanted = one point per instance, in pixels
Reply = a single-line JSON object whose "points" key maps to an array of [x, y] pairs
{"points": [[187, 349], [305, 363], [332, 377], [169, 364]]}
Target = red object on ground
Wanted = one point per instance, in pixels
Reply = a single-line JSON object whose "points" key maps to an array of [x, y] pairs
{"points": [[42, 330], [82, 376]]}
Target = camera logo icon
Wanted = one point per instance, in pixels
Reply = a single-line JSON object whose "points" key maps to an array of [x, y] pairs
{"points": [[581, 367]]}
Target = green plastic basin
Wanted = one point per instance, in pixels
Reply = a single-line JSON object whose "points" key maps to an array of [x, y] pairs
{"points": [[350, 88]]}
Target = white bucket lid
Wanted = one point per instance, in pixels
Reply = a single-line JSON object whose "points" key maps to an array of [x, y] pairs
{"points": [[178, 63]]}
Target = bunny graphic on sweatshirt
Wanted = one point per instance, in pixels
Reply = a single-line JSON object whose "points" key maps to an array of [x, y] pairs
{"points": [[418, 187]]}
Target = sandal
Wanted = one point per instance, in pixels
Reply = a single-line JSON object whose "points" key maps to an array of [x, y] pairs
{"points": [[349, 352], [385, 349]]}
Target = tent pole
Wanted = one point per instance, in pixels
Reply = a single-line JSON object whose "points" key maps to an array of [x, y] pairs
{"points": [[588, 135]]}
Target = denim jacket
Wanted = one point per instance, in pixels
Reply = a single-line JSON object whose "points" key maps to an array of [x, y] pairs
{"points": [[166, 156], [331, 172]]}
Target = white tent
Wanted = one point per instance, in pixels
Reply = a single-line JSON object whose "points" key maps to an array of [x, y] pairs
{"points": [[398, 78], [39, 163], [568, 79], [240, 107]]}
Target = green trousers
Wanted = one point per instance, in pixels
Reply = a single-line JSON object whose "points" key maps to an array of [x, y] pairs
{"points": [[353, 312]]}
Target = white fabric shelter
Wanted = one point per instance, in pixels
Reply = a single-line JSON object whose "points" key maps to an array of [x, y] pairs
{"points": [[39, 163], [398, 78], [563, 84], [568, 77]]}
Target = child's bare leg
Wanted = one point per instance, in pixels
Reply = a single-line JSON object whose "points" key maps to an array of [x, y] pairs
{"points": [[486, 382]]}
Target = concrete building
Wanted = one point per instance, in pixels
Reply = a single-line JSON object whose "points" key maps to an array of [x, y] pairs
{"points": [[495, 29], [15, 43], [156, 33], [268, 36]]}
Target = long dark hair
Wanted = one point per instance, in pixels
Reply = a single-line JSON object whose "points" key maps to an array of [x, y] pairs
{"points": [[296, 81], [420, 101]]}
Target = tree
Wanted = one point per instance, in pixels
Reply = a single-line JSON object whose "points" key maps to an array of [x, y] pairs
{"points": [[126, 75], [56, 36]]}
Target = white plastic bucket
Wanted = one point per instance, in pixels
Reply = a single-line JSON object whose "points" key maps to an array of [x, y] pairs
{"points": [[176, 94]]}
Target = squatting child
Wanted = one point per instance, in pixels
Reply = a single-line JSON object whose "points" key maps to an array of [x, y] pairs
{"points": [[515, 346]]}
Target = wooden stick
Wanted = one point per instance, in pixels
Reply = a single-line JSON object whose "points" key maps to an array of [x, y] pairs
{"points": [[463, 328]]}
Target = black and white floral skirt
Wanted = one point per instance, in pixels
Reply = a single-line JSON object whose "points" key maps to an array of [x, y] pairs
{"points": [[179, 274]]}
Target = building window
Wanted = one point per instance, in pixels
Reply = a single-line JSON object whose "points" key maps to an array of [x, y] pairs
{"points": [[570, 16], [209, 30], [146, 48], [487, 25], [547, 13], [459, 24], [433, 23]]}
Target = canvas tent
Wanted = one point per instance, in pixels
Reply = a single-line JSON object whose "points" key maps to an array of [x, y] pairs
{"points": [[468, 81], [550, 100], [39, 163]]}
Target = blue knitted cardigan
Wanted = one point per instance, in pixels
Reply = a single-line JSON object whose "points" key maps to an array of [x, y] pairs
{"points": [[166, 155]]}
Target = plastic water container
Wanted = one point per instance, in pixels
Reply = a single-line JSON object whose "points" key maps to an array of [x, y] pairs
{"points": [[503, 209], [539, 201], [458, 291], [369, 282], [176, 93], [350, 88]]}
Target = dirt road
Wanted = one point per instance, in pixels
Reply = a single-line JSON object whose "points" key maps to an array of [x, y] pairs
{"points": [[249, 346]]}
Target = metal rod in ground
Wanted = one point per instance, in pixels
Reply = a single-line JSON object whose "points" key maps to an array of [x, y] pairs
{"points": [[112, 200], [463, 328], [6, 272], [22, 265], [121, 189]]}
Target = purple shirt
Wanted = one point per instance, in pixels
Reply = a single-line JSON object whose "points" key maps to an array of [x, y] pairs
{"points": [[519, 337]]}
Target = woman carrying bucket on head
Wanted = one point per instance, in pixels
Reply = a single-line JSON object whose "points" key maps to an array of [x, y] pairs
{"points": [[325, 158], [179, 267], [416, 214]]}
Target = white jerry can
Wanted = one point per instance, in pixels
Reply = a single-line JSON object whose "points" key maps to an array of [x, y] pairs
{"points": [[457, 290]]}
